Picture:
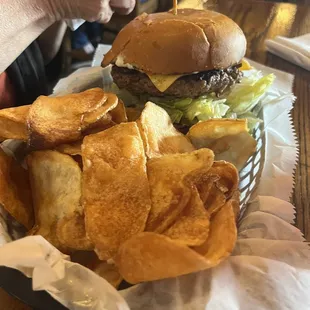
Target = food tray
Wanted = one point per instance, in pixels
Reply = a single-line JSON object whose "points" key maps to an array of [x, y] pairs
{"points": [[249, 181], [250, 174]]}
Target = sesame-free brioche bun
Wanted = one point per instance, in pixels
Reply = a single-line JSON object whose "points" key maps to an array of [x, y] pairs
{"points": [[191, 41]]}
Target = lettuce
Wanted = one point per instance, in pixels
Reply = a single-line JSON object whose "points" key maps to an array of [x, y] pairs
{"points": [[245, 96], [193, 110]]}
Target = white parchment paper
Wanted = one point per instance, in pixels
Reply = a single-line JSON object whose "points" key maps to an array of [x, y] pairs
{"points": [[270, 266]]}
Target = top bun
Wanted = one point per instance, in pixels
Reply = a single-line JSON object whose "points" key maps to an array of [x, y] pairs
{"points": [[191, 41]]}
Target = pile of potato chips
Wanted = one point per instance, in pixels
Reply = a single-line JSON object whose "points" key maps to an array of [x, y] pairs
{"points": [[149, 201]]}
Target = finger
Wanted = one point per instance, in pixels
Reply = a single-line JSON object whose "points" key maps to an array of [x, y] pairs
{"points": [[122, 11], [105, 15], [123, 7]]}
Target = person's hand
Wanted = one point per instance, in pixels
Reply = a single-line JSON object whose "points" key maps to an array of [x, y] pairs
{"points": [[90, 10]]}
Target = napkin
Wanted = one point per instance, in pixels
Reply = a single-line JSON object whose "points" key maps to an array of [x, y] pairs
{"points": [[269, 269], [295, 50]]}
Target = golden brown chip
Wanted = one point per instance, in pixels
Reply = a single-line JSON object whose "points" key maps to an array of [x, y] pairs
{"points": [[57, 120], [102, 268], [228, 138], [71, 233], [204, 133], [118, 114], [149, 256], [222, 236], [70, 149], [158, 133], [15, 193], [13, 123], [228, 181], [211, 196], [169, 194], [116, 194], [216, 185], [104, 123], [56, 189], [95, 112], [192, 226], [215, 199], [235, 202], [236, 149]]}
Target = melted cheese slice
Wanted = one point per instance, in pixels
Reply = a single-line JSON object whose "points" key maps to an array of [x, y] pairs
{"points": [[163, 82], [245, 65]]}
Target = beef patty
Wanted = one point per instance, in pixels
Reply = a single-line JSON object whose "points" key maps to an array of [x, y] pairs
{"points": [[193, 85]]}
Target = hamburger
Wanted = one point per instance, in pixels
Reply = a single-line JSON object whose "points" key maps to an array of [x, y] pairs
{"points": [[187, 63]]}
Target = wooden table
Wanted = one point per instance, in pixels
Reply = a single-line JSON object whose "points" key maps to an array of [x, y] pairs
{"points": [[261, 21]]}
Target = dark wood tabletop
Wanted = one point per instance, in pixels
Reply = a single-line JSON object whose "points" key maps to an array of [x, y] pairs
{"points": [[264, 20], [261, 21]]}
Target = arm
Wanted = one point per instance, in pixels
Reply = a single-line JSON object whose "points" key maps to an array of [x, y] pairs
{"points": [[21, 22]]}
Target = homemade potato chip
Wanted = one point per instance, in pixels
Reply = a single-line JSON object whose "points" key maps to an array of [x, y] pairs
{"points": [[192, 226], [235, 203], [13, 123], [15, 193], [215, 185], [71, 233], [56, 120], [56, 189], [222, 236], [158, 133], [204, 133], [103, 269], [236, 149], [116, 194], [104, 123], [228, 138], [149, 256], [228, 181], [70, 149], [169, 194], [211, 196], [118, 114], [215, 199]]}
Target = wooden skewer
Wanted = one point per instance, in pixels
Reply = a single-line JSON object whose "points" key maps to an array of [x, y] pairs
{"points": [[175, 7]]}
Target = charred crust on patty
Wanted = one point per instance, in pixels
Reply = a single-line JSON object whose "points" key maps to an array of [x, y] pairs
{"points": [[193, 85]]}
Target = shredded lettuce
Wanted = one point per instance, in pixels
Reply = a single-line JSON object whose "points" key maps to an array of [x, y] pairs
{"points": [[246, 95], [193, 110], [231, 114]]}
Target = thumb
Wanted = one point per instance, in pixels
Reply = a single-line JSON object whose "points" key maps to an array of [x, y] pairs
{"points": [[123, 7], [105, 14]]}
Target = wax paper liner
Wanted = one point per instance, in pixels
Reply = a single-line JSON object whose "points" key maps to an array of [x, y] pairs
{"points": [[270, 266]]}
